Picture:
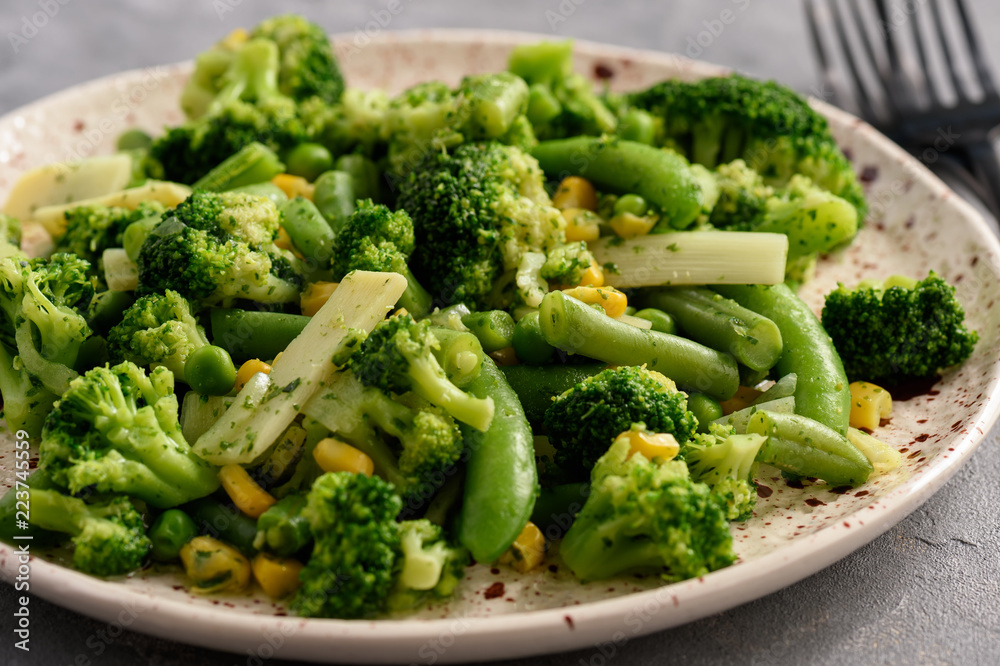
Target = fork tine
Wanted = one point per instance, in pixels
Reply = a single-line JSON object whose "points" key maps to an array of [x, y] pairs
{"points": [[932, 88], [867, 45], [825, 61], [982, 69], [860, 94], [956, 80]]}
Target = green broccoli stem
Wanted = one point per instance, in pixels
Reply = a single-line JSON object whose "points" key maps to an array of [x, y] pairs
{"points": [[575, 327], [248, 334], [459, 353], [720, 323], [8, 513], [802, 446], [557, 506], [253, 164], [415, 299], [282, 529], [26, 401], [430, 383], [54, 375], [597, 551]]}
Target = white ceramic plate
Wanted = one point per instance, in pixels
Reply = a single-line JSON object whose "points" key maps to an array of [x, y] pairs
{"points": [[917, 224]]}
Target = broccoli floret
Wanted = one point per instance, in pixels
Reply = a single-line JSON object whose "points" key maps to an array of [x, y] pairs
{"points": [[354, 125], [158, 329], [583, 421], [647, 515], [398, 357], [217, 247], [743, 197], [477, 212], [431, 117], [720, 119], [364, 562], [726, 462], [248, 107], [90, 230], [42, 330], [899, 328], [375, 238], [308, 68], [413, 444], [109, 538], [116, 429], [561, 103]]}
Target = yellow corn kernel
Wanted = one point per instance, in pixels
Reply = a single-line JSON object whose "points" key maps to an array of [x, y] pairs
{"points": [[505, 356], [528, 550], [283, 241], [294, 186], [581, 225], [613, 301], [575, 192], [744, 396], [315, 296], [248, 497], [235, 39], [248, 370], [627, 225], [869, 405], [277, 576], [214, 566], [333, 455], [593, 276], [651, 445]]}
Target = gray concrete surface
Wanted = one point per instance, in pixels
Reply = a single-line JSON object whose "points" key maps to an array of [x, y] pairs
{"points": [[926, 592]]}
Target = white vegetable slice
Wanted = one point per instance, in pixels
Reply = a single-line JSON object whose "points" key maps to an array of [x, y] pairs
{"points": [[120, 272], [63, 183], [693, 257], [169, 194], [361, 301]]}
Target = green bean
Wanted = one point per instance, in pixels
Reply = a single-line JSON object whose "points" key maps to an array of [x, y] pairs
{"points": [[308, 160], [529, 342], [661, 177], [721, 324], [821, 390], [209, 370], [556, 508], [169, 532], [705, 409], [459, 354], [660, 320], [365, 176], [800, 445], [268, 189], [254, 163], [224, 522], [495, 328], [248, 334], [334, 197], [500, 476], [535, 386], [282, 529], [308, 229], [574, 327], [638, 125]]}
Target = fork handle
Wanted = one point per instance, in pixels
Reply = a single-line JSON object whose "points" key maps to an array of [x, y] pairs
{"points": [[986, 167]]}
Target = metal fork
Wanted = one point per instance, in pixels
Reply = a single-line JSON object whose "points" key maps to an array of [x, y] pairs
{"points": [[899, 94]]}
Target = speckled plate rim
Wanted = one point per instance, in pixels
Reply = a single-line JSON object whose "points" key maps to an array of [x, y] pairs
{"points": [[461, 639]]}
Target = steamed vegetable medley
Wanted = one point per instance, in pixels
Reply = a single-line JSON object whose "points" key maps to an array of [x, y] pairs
{"points": [[341, 344]]}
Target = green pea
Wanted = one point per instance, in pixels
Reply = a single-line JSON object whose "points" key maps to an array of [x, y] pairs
{"points": [[631, 203], [308, 160], [210, 371], [169, 532], [134, 139]]}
